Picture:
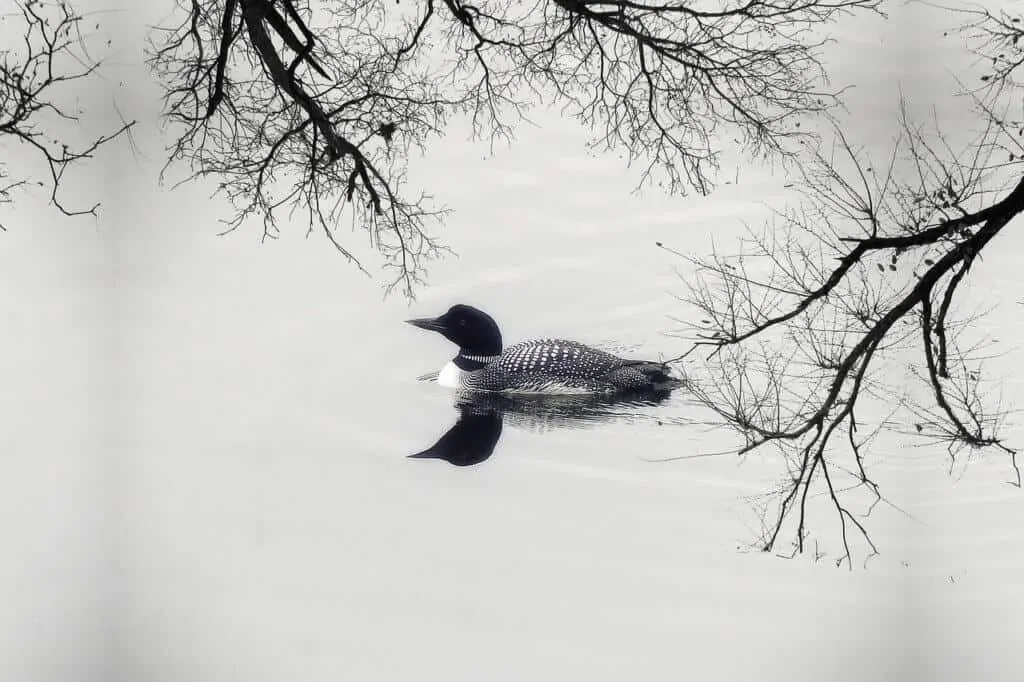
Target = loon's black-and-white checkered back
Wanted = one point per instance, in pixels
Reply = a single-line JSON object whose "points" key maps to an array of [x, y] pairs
{"points": [[543, 364]]}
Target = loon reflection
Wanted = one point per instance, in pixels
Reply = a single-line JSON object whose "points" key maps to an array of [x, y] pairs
{"points": [[473, 437]]}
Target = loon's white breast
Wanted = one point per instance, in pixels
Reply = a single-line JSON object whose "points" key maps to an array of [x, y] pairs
{"points": [[451, 375]]}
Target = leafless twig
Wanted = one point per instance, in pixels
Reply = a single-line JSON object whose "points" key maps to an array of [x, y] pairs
{"points": [[50, 55], [292, 107]]}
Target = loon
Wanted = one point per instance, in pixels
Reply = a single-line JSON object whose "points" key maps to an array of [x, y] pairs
{"points": [[537, 366]]}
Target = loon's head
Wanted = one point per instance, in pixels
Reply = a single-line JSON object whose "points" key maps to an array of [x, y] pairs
{"points": [[472, 330]]}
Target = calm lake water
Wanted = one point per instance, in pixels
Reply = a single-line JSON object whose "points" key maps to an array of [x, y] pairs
{"points": [[206, 446]]}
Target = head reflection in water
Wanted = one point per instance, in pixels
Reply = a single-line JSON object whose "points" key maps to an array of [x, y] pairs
{"points": [[472, 439]]}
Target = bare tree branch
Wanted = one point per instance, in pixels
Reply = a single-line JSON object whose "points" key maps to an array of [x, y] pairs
{"points": [[279, 101], [51, 55], [807, 324]]}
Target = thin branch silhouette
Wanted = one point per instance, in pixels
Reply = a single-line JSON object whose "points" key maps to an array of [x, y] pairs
{"points": [[808, 329], [315, 109], [50, 58]]}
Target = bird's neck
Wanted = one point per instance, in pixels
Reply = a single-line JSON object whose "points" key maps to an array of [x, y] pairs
{"points": [[470, 362]]}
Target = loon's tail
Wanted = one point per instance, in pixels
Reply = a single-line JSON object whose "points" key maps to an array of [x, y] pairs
{"points": [[639, 374]]}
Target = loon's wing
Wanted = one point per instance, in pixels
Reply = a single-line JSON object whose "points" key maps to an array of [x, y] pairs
{"points": [[558, 357], [546, 364]]}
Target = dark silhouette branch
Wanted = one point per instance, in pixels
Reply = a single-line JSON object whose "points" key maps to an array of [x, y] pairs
{"points": [[51, 58], [803, 326], [362, 86]]}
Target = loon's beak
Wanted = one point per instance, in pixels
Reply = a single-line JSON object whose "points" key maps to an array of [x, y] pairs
{"points": [[429, 323]]}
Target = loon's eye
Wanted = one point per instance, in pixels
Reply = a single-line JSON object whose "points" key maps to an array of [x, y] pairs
{"points": [[462, 322]]}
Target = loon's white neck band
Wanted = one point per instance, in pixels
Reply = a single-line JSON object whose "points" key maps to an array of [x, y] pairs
{"points": [[486, 359]]}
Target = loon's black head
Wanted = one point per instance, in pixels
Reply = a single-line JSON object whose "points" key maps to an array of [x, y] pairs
{"points": [[472, 330]]}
